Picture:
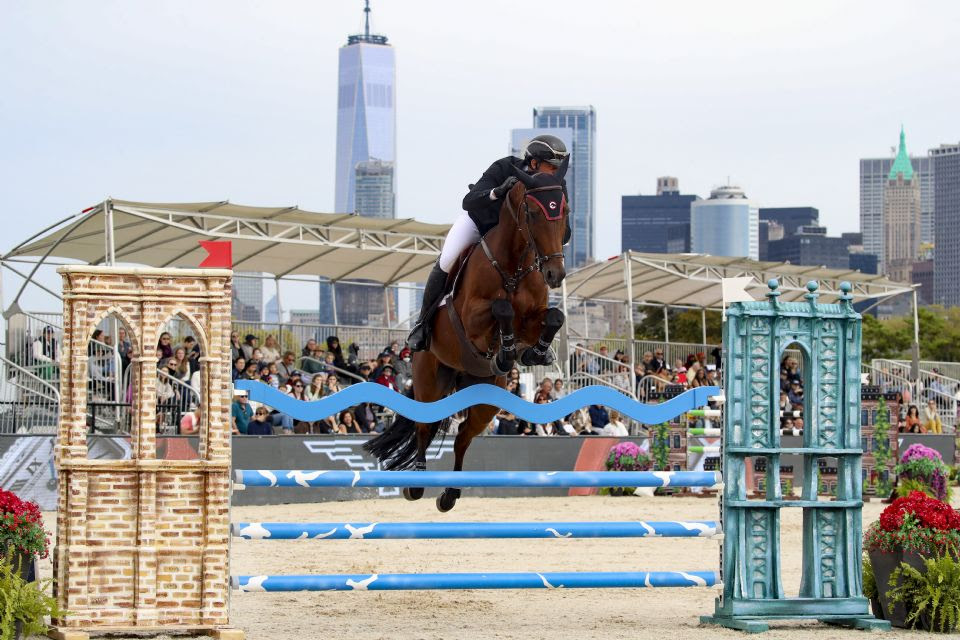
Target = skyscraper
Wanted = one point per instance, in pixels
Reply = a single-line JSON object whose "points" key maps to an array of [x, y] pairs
{"points": [[874, 175], [366, 115], [374, 189], [247, 303], [581, 176], [946, 253], [727, 224], [791, 218], [366, 153], [901, 217], [656, 224]]}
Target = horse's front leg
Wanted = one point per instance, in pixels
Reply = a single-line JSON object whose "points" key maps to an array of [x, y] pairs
{"points": [[549, 322], [503, 315], [478, 418]]}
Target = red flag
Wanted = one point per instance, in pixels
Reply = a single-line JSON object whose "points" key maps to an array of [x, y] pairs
{"points": [[219, 254]]}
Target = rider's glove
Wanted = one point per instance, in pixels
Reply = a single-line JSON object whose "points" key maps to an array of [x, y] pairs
{"points": [[500, 191]]}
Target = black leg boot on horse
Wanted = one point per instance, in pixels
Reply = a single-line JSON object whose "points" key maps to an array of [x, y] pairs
{"points": [[419, 338], [539, 354]]}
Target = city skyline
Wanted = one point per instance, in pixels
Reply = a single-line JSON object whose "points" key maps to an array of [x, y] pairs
{"points": [[247, 112]]}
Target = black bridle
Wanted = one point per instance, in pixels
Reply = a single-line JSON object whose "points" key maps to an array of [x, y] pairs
{"points": [[512, 281]]}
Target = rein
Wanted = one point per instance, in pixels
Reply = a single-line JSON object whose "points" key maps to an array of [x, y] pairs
{"points": [[512, 282]]}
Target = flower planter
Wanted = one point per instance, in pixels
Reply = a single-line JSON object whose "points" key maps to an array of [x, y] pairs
{"points": [[884, 564]]}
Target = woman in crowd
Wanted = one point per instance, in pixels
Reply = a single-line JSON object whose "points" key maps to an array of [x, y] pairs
{"points": [[615, 428], [164, 346], [260, 425], [317, 388], [190, 422], [931, 418], [256, 355], [239, 364], [513, 387], [236, 349], [911, 423], [559, 390], [333, 346], [270, 351], [332, 386], [387, 377], [347, 423], [699, 378]]}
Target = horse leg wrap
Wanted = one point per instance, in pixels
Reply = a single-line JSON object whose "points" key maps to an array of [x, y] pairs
{"points": [[540, 352], [503, 313]]}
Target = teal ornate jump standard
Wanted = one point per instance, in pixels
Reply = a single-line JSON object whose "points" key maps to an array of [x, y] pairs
{"points": [[828, 336]]}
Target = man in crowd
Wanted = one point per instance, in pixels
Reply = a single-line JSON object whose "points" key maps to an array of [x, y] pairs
{"points": [[286, 367], [240, 412], [250, 342]]}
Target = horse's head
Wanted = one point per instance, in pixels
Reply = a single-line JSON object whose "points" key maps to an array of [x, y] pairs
{"points": [[540, 204]]}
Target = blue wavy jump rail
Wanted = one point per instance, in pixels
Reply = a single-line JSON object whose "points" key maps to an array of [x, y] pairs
{"points": [[461, 530], [559, 479], [481, 394], [531, 580]]}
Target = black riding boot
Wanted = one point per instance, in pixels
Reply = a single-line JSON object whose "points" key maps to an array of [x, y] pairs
{"points": [[417, 340]]}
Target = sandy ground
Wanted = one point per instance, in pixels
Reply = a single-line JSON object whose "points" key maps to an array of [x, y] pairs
{"points": [[585, 614]]}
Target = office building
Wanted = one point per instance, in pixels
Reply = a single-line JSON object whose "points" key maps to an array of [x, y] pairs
{"points": [[366, 114], [922, 274], [864, 262], [374, 189], [791, 218], [726, 224], [366, 154], [247, 294], [581, 176], [656, 224], [874, 175], [810, 245], [901, 217], [946, 261]]}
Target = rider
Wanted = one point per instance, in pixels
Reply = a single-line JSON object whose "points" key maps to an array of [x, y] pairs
{"points": [[481, 205]]}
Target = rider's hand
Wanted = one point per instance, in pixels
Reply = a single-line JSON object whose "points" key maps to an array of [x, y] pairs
{"points": [[500, 191]]}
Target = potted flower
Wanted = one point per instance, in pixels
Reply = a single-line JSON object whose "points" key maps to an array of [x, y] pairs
{"points": [[626, 456], [23, 600], [922, 469], [909, 529]]}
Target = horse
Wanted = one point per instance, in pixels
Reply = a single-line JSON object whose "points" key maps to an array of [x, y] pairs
{"points": [[495, 315]]}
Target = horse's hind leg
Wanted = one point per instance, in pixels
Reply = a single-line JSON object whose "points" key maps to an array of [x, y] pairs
{"points": [[425, 433], [433, 381], [478, 417]]}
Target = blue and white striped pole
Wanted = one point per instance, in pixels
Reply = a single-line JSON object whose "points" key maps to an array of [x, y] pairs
{"points": [[532, 580], [508, 479], [451, 530]]}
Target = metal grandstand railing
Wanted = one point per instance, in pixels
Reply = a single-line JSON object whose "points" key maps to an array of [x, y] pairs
{"points": [[895, 375], [28, 403]]}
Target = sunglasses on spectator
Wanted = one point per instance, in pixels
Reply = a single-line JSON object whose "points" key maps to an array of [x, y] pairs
{"points": [[261, 412], [298, 386]]}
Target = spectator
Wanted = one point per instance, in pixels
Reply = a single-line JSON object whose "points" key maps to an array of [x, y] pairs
{"points": [[911, 423], [309, 348], [590, 430], [544, 392], [317, 388], [393, 349], [515, 377], [286, 367], [164, 346], [239, 365], [699, 379], [387, 377], [183, 365], [236, 349], [333, 346], [270, 350], [513, 387], [798, 424], [931, 418], [404, 368], [250, 371], [385, 358], [795, 395], [365, 418], [658, 361], [256, 356], [598, 416], [46, 355], [260, 425], [548, 429], [190, 422], [615, 428], [559, 390], [267, 377], [240, 412], [348, 424], [312, 364], [507, 424], [682, 376], [333, 384], [717, 354], [365, 371], [250, 343]]}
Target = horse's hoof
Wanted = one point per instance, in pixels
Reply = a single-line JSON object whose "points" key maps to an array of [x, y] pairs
{"points": [[413, 493], [447, 500]]}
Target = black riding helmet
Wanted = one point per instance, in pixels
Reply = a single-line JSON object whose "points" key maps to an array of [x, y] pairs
{"points": [[546, 148]]}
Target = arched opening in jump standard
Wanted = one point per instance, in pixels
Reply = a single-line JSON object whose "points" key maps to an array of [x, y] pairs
{"points": [[180, 352], [111, 379]]}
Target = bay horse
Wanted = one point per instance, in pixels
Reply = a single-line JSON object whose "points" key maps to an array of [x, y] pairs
{"points": [[495, 315]]}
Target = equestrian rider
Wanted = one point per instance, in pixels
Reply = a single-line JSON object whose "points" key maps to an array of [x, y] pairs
{"points": [[481, 205]]}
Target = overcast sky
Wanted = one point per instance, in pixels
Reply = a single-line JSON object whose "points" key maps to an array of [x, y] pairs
{"points": [[213, 100]]}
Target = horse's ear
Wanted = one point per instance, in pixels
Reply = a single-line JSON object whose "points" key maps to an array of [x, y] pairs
{"points": [[562, 169], [524, 177]]}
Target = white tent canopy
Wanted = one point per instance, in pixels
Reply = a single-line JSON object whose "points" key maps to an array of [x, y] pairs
{"points": [[281, 241], [693, 280]]}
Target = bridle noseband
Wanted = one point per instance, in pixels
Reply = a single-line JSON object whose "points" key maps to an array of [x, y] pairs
{"points": [[512, 282]]}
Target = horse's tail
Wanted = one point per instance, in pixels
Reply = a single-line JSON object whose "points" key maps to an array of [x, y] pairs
{"points": [[396, 447]]}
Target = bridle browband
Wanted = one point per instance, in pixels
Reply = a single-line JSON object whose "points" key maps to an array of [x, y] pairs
{"points": [[512, 282]]}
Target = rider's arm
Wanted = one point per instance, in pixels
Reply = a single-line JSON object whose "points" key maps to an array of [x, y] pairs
{"points": [[480, 194]]}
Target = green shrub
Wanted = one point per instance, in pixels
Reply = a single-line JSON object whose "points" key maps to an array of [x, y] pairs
{"points": [[933, 594], [22, 601], [870, 590]]}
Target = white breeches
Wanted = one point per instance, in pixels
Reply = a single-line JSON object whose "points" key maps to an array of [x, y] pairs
{"points": [[462, 234]]}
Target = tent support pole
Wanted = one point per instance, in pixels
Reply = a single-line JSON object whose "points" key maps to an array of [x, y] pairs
{"points": [[703, 323], [666, 324], [333, 299], [631, 357]]}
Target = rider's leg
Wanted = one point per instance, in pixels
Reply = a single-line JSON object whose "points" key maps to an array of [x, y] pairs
{"points": [[462, 234]]}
